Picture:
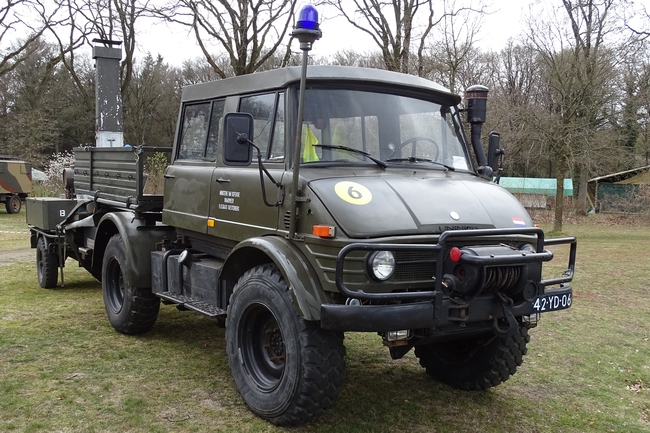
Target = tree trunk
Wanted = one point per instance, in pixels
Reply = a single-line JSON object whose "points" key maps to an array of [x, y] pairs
{"points": [[559, 201], [582, 192]]}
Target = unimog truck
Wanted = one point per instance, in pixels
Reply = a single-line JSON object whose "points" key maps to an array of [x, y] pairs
{"points": [[302, 203], [15, 182]]}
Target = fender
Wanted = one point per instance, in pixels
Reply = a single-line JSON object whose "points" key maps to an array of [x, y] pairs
{"points": [[306, 291], [139, 241]]}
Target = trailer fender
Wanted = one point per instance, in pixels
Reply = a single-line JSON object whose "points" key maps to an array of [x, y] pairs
{"points": [[139, 240], [306, 291]]}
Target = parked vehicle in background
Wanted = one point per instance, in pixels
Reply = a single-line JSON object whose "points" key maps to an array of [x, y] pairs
{"points": [[15, 182]]}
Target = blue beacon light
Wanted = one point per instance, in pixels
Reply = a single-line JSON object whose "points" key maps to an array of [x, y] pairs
{"points": [[307, 30], [307, 18]]}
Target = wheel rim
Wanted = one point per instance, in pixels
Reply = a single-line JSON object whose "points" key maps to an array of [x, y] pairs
{"points": [[115, 285], [261, 347], [15, 205]]}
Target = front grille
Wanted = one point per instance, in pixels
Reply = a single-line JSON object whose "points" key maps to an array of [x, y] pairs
{"points": [[415, 265]]}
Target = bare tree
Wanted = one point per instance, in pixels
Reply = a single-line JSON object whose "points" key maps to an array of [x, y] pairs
{"points": [[635, 119], [152, 103], [578, 68], [32, 18], [637, 20], [107, 19], [400, 28], [515, 102], [250, 31], [357, 59], [454, 47]]}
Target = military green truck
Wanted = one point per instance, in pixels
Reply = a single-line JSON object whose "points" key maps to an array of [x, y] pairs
{"points": [[15, 182], [302, 203]]}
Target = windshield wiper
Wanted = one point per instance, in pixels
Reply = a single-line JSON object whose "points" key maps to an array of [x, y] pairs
{"points": [[416, 159], [379, 162]]}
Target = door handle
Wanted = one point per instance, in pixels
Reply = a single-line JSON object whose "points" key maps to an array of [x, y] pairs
{"points": [[222, 180], [169, 176]]}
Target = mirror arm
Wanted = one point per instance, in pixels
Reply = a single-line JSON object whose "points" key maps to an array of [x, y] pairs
{"points": [[263, 169]]}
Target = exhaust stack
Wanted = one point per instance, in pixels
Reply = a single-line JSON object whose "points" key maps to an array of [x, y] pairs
{"points": [[476, 114]]}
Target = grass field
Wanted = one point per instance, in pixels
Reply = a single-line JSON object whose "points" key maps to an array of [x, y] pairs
{"points": [[64, 369]]}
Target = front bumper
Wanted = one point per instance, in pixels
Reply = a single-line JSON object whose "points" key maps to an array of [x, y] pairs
{"points": [[423, 315], [431, 309]]}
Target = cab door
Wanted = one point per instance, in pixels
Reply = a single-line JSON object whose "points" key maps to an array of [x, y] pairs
{"points": [[237, 208], [189, 179]]}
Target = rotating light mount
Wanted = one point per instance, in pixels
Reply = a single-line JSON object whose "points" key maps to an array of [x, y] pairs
{"points": [[307, 31]]}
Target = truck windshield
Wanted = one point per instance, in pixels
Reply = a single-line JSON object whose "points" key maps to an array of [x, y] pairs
{"points": [[394, 129]]}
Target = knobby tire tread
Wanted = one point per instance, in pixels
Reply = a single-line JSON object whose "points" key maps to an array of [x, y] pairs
{"points": [[48, 273], [323, 360], [140, 307], [480, 373]]}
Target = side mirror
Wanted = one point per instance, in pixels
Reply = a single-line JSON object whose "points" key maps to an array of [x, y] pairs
{"points": [[237, 127], [495, 153]]}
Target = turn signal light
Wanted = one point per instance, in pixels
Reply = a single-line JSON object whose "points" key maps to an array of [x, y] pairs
{"points": [[323, 231]]}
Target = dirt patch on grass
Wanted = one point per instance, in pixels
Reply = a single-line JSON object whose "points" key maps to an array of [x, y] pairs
{"points": [[17, 256]]}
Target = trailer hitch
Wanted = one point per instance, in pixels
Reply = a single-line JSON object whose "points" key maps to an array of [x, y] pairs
{"points": [[506, 304]]}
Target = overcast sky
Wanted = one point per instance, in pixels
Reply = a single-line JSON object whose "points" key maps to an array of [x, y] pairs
{"points": [[507, 20]]}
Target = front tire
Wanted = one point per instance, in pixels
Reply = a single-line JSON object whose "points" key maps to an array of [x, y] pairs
{"points": [[47, 264], [13, 204], [287, 369], [130, 310], [477, 363]]}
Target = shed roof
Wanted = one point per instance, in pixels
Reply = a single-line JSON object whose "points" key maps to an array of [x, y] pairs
{"points": [[634, 176], [533, 185]]}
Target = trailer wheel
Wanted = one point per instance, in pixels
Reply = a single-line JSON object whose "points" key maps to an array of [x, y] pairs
{"points": [[286, 369], [477, 363], [130, 310], [47, 265], [13, 204]]}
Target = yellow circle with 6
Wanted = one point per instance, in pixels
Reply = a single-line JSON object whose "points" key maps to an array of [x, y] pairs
{"points": [[353, 192]]}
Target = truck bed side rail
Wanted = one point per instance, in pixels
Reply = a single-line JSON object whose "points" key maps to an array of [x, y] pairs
{"points": [[116, 176]]}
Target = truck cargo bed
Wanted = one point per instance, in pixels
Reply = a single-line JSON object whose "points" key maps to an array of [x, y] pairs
{"points": [[115, 176]]}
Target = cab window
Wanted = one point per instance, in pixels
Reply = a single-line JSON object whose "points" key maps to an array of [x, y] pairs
{"points": [[213, 133], [200, 131], [267, 136]]}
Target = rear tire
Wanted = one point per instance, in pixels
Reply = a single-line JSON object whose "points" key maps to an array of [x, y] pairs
{"points": [[130, 310], [13, 204], [477, 363], [287, 369], [47, 265]]}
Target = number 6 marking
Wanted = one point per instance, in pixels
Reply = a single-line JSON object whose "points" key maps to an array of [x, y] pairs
{"points": [[353, 192]]}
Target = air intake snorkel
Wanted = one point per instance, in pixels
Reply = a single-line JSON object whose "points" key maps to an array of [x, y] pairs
{"points": [[476, 113]]}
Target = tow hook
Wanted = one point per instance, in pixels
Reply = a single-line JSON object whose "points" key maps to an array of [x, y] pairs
{"points": [[506, 303]]}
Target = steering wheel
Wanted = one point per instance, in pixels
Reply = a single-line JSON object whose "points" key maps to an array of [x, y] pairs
{"points": [[434, 145]]}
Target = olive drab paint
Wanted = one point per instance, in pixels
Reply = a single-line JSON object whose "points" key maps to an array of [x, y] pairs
{"points": [[290, 248]]}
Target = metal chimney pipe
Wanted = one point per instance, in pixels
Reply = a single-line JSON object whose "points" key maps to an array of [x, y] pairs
{"points": [[109, 126]]}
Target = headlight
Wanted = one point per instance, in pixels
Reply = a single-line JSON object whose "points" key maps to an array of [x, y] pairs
{"points": [[382, 265], [528, 248]]}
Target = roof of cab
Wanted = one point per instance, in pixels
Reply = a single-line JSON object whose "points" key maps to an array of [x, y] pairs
{"points": [[280, 78]]}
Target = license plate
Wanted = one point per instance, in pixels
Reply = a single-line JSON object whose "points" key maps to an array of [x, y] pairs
{"points": [[552, 301]]}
